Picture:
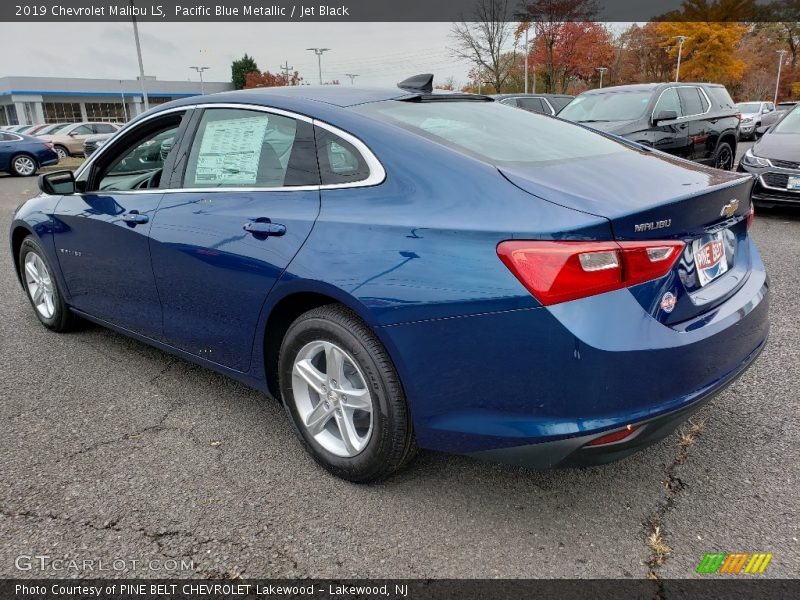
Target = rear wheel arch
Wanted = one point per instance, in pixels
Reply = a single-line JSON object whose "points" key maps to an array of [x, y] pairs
{"points": [[17, 235]]}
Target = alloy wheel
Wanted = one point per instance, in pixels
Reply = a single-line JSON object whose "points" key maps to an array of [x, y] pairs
{"points": [[725, 159], [61, 152], [40, 285], [24, 165], [332, 398]]}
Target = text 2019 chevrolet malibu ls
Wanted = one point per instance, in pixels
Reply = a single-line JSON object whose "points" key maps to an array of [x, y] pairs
{"points": [[405, 269]]}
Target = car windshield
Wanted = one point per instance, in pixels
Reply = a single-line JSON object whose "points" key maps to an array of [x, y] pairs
{"points": [[749, 107], [789, 124], [493, 132], [611, 106], [50, 129]]}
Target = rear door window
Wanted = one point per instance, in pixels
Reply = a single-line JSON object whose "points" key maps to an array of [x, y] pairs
{"points": [[249, 148], [691, 101]]}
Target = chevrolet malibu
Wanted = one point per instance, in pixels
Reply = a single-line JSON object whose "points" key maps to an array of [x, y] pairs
{"points": [[409, 269]]}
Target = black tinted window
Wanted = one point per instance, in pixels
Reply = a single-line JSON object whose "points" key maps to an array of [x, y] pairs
{"points": [[104, 128], [248, 148], [668, 101], [691, 101], [719, 96], [534, 104], [339, 161]]}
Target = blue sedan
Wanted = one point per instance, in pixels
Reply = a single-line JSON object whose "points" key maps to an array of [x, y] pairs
{"points": [[22, 154], [409, 269]]}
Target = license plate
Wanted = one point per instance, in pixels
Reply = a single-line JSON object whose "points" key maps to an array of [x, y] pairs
{"points": [[709, 257], [793, 183]]}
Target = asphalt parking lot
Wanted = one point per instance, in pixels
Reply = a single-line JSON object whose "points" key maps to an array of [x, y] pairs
{"points": [[114, 450]]}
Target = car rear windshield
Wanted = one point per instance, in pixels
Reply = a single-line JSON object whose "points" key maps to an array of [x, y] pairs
{"points": [[749, 107], [789, 124], [604, 107], [493, 132]]}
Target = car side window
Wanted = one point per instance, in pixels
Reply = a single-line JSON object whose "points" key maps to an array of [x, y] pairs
{"points": [[339, 161], [691, 101], [103, 128], [250, 148], [141, 159], [669, 101], [534, 104], [509, 101], [82, 130]]}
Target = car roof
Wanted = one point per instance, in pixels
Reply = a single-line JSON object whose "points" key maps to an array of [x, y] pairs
{"points": [[337, 95], [523, 95], [646, 87]]}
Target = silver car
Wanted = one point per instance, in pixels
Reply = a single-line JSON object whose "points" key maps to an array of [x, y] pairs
{"points": [[757, 117]]}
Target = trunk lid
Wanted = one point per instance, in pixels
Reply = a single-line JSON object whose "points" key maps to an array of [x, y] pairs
{"points": [[647, 195]]}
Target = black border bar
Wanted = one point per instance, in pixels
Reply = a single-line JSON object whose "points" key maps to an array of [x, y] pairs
{"points": [[385, 10]]}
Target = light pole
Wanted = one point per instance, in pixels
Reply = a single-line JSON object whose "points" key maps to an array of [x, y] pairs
{"points": [[778, 80], [681, 39], [139, 56], [319, 52], [352, 77], [602, 70], [526, 58], [200, 72]]}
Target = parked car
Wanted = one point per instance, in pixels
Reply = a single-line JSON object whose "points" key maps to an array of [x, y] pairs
{"points": [[756, 117], [36, 129], [697, 121], [52, 128], [68, 140], [775, 161], [93, 142], [546, 104], [22, 155], [410, 268]]}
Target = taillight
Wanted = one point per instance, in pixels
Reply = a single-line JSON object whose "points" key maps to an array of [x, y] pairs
{"points": [[557, 272], [49, 145], [739, 117], [751, 215]]}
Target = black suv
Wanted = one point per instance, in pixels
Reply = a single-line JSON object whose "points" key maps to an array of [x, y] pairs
{"points": [[697, 121]]}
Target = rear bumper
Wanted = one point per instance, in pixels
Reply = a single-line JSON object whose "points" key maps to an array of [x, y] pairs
{"points": [[534, 386], [574, 452]]}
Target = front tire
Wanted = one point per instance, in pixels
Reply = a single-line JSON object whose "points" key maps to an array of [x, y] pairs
{"points": [[23, 165], [344, 397], [724, 157], [42, 287]]}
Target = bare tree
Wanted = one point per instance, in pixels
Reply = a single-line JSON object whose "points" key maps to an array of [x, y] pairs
{"points": [[483, 41]]}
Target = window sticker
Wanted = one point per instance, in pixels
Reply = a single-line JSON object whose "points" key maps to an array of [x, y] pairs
{"points": [[230, 152]]}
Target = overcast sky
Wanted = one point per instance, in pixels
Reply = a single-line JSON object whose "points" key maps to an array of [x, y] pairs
{"points": [[381, 53]]}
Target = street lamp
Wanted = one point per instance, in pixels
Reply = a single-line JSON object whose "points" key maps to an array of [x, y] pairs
{"points": [[602, 70], [319, 52], [200, 72], [681, 39], [778, 80]]}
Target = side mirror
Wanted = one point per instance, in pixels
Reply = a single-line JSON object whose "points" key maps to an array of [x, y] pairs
{"points": [[72, 134], [58, 183], [665, 115]]}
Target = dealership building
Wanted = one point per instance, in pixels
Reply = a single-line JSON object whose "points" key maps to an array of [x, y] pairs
{"points": [[29, 100]]}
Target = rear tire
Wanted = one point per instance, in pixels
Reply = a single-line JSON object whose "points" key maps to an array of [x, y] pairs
{"points": [[362, 444], [724, 156], [61, 151], [23, 165], [42, 288]]}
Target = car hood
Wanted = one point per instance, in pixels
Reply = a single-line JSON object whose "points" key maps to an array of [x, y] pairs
{"points": [[780, 146]]}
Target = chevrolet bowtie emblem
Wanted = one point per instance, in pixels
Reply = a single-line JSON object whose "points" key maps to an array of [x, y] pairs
{"points": [[730, 208]]}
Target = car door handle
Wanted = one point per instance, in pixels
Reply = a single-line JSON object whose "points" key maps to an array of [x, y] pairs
{"points": [[265, 227], [135, 218]]}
